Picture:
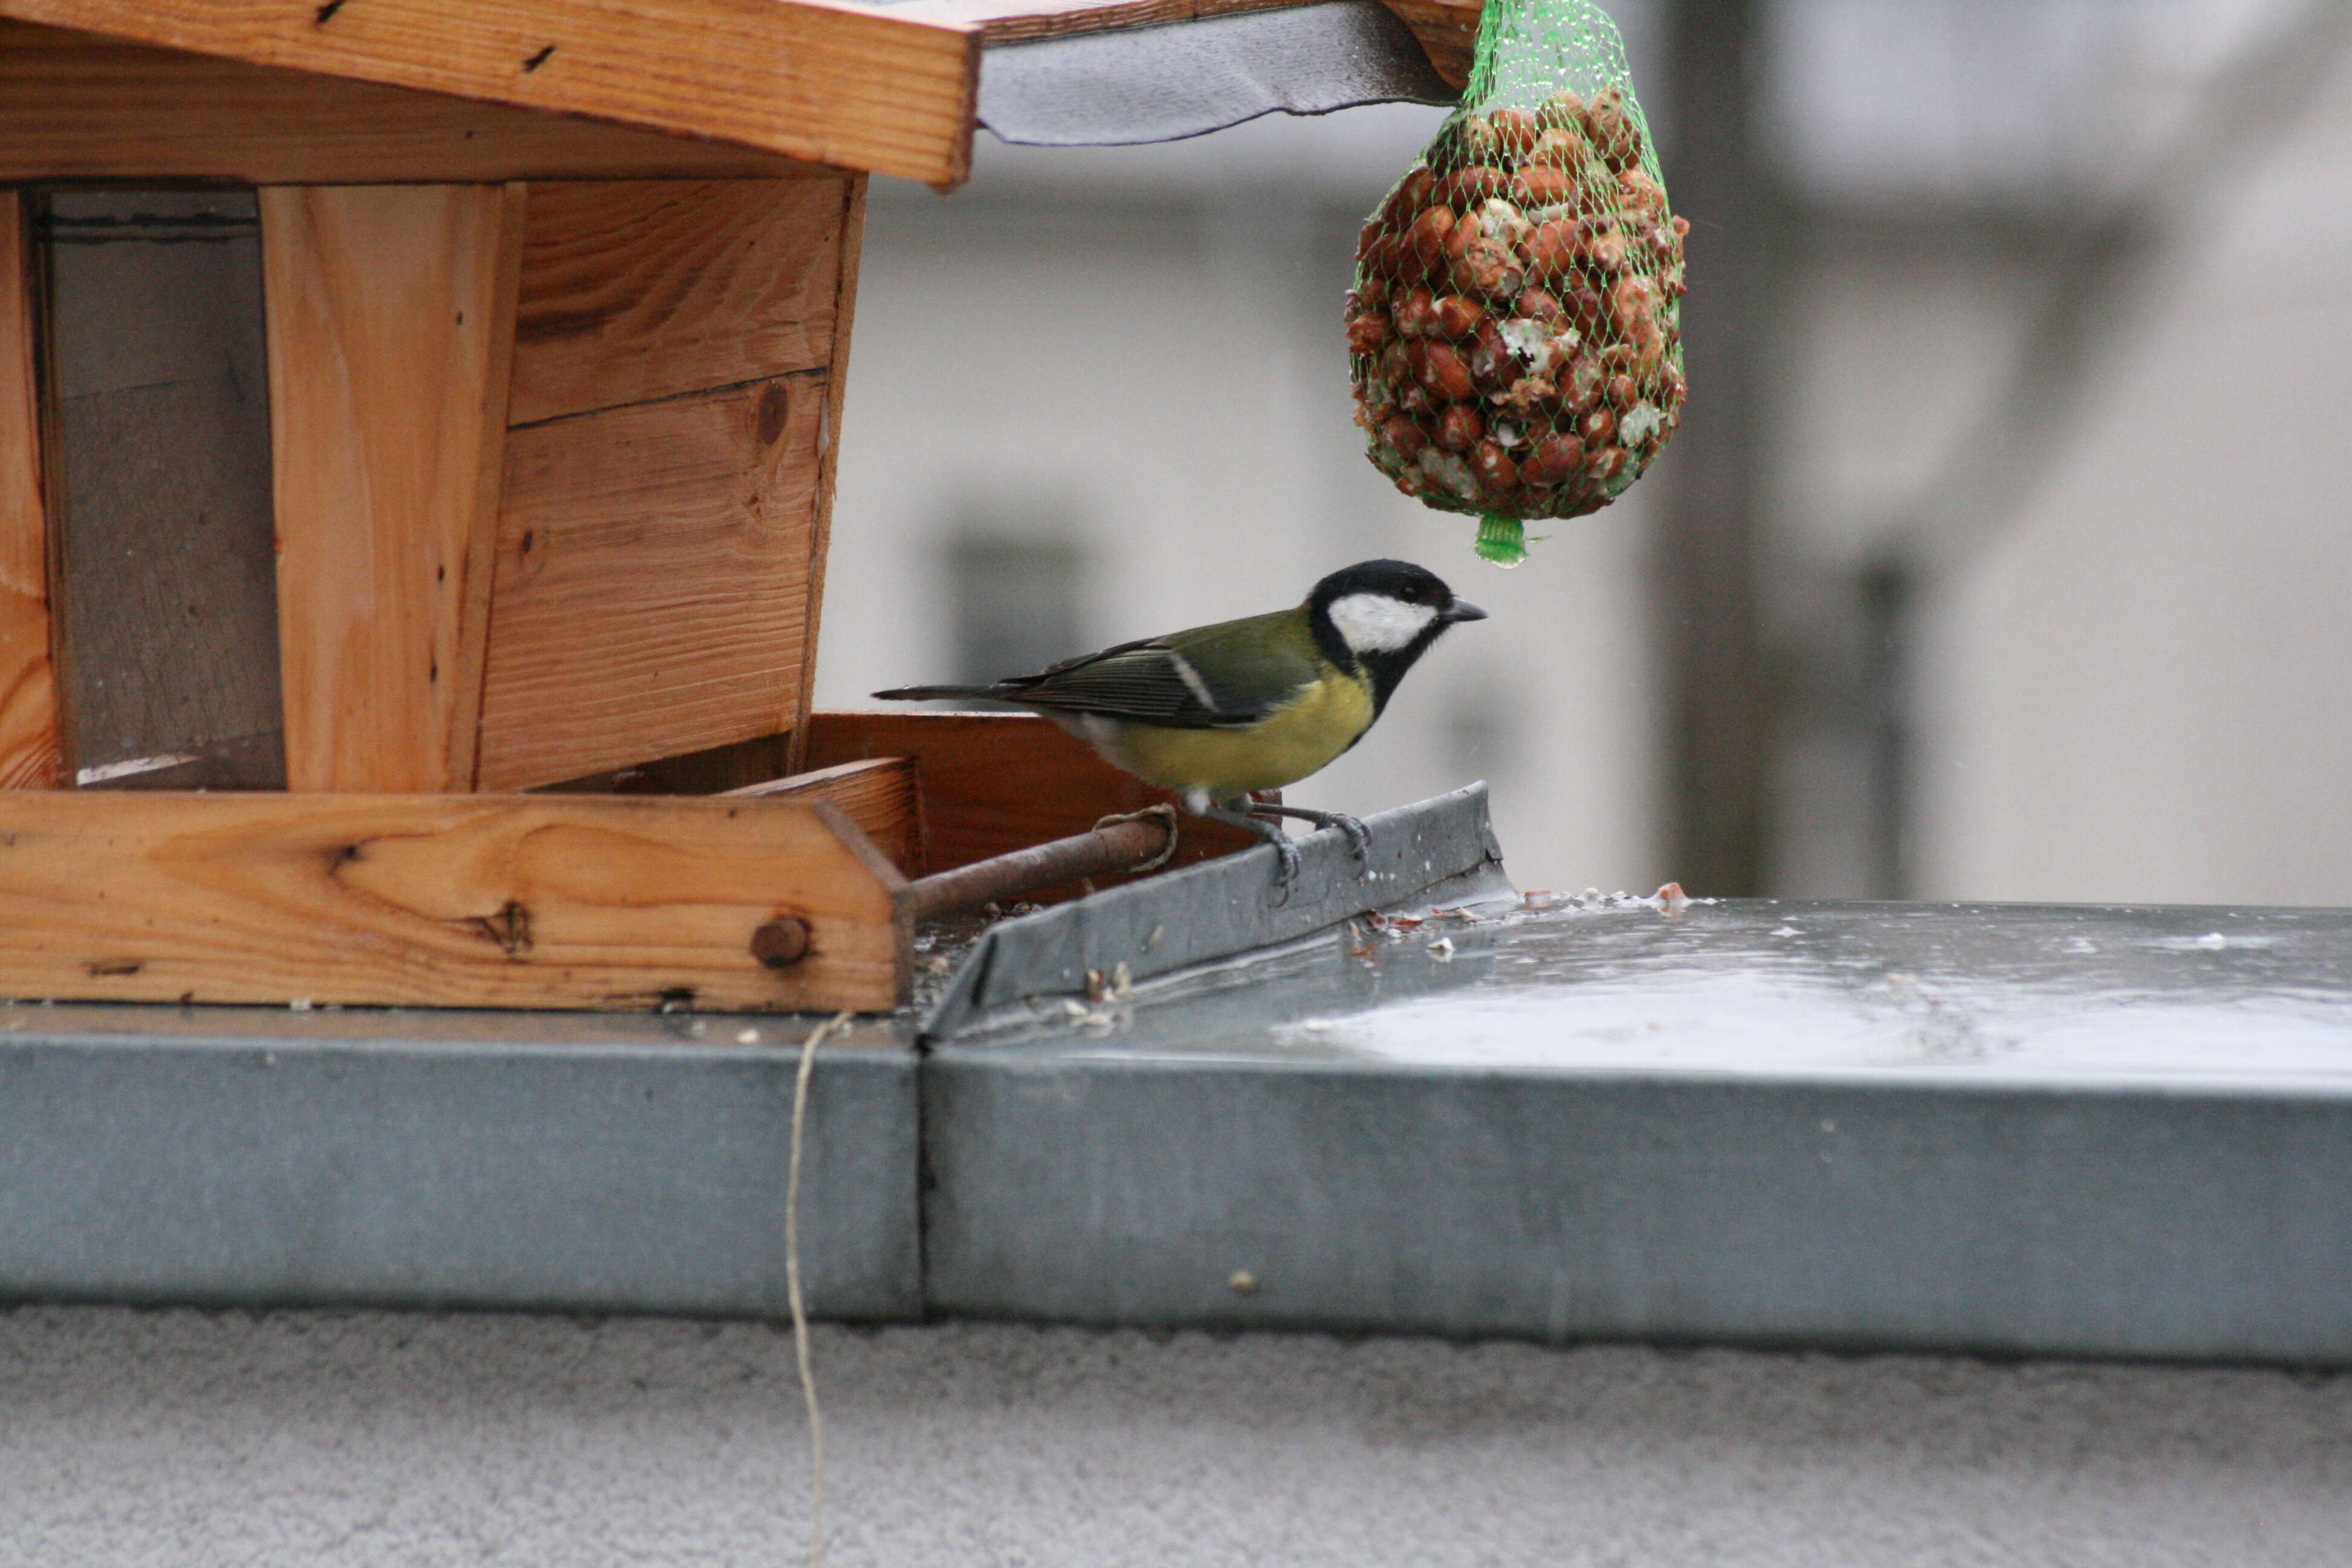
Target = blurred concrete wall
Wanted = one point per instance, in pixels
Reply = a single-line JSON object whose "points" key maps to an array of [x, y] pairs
{"points": [[2140, 689], [190, 1439], [2127, 676]]}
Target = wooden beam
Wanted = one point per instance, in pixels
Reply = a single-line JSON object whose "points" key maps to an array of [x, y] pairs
{"points": [[640, 290], [853, 247], [824, 81], [995, 783], [76, 106], [652, 584], [440, 900], [28, 712], [390, 313], [1447, 31], [878, 794]]}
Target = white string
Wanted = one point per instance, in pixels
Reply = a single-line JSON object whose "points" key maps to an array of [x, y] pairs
{"points": [[793, 1287]]}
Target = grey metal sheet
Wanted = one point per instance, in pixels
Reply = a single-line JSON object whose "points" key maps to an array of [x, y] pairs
{"points": [[1185, 79], [246, 1157], [1219, 908], [2030, 1131]]}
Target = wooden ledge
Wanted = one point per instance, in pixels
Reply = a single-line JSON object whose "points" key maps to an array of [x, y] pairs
{"points": [[443, 900]]}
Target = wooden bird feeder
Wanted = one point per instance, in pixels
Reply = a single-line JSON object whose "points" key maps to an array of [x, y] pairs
{"points": [[409, 405]]}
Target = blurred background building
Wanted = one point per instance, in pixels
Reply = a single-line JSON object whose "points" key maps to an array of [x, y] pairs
{"points": [[2003, 555]]}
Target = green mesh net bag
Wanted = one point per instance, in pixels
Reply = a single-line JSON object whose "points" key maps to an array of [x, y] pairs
{"points": [[1515, 329]]}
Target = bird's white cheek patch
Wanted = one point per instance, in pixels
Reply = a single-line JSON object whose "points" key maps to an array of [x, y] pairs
{"points": [[1374, 623]]}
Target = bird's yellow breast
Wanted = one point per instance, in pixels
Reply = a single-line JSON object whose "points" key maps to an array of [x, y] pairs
{"points": [[1284, 747]]}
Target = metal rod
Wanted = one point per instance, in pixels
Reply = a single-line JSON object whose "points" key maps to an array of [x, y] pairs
{"points": [[1121, 847]]}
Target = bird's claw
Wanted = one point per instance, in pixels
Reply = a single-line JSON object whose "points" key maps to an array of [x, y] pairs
{"points": [[1286, 874], [1359, 838]]}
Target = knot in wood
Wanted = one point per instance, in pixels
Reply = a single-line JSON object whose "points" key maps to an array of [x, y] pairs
{"points": [[781, 942]]}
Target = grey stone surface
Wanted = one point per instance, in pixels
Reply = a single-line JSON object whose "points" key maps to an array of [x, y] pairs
{"points": [[186, 1439]]}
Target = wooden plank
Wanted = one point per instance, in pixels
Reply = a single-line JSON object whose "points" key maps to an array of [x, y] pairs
{"points": [[77, 106], [853, 247], [1447, 31], [28, 710], [166, 624], [825, 81], [878, 794], [639, 289], [439, 901], [995, 783], [714, 770], [391, 333], [651, 594]]}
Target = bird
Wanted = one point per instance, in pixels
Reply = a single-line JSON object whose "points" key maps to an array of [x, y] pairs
{"points": [[1218, 713]]}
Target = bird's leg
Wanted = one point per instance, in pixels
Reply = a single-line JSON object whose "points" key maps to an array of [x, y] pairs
{"points": [[1225, 812], [1359, 838]]}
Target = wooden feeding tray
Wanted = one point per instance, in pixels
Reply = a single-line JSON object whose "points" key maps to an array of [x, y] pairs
{"points": [[416, 443]]}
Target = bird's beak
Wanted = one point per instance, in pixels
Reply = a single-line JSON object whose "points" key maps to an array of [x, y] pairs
{"points": [[1464, 610]]}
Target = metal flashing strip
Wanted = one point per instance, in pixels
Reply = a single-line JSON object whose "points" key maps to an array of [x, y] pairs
{"points": [[2018, 1131], [2030, 1129], [1220, 908], [1185, 79], [557, 1163]]}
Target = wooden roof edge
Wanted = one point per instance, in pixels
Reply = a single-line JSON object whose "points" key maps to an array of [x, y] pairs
{"points": [[882, 89], [890, 89]]}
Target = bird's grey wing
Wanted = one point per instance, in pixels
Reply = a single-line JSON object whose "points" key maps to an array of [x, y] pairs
{"points": [[1213, 678]]}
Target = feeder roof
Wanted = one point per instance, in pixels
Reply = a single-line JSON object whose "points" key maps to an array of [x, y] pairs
{"points": [[891, 87]]}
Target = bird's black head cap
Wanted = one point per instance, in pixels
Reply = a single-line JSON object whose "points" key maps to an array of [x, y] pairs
{"points": [[1380, 615]]}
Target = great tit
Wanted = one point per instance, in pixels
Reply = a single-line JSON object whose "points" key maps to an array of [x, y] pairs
{"points": [[1218, 712]]}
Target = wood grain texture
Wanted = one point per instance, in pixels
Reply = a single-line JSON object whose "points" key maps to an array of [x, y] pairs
{"points": [[637, 290], [853, 248], [439, 901], [995, 783], [651, 594], [391, 333], [1447, 31], [856, 86], [28, 712], [78, 106], [878, 794]]}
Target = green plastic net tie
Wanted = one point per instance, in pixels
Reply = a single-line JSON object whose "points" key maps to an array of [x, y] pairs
{"points": [[1502, 540]]}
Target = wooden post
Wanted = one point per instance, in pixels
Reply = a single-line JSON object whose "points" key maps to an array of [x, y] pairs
{"points": [[1711, 494], [391, 312], [28, 715]]}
